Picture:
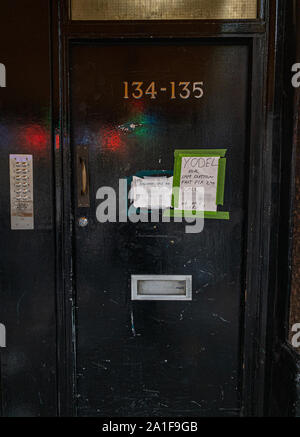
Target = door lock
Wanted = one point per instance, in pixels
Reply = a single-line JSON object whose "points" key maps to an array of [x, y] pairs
{"points": [[83, 222]]}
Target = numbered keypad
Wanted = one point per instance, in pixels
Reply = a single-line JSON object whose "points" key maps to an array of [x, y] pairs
{"points": [[21, 192]]}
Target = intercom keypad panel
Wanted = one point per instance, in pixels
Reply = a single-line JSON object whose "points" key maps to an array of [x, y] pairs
{"points": [[21, 192]]}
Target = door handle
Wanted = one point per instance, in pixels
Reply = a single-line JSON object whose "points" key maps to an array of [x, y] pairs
{"points": [[83, 177], [83, 190]]}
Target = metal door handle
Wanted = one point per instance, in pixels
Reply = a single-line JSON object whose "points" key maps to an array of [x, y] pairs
{"points": [[83, 190], [83, 177]]}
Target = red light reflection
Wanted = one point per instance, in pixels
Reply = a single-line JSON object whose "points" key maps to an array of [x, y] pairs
{"points": [[137, 106], [35, 137], [111, 139], [57, 141]]}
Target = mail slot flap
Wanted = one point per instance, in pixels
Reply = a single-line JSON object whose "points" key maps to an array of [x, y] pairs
{"points": [[161, 287]]}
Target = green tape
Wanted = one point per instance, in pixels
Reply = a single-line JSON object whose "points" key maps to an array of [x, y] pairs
{"points": [[176, 181], [200, 152], [221, 181], [218, 215]]}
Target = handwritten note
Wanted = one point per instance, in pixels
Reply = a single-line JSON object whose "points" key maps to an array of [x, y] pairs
{"points": [[198, 183], [151, 192]]}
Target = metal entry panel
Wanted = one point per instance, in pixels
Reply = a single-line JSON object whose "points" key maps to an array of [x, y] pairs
{"points": [[21, 192], [161, 287]]}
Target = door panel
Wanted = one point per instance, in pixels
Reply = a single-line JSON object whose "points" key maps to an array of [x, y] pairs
{"points": [[161, 358]]}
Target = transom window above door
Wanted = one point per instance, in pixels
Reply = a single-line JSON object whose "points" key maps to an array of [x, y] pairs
{"points": [[110, 10]]}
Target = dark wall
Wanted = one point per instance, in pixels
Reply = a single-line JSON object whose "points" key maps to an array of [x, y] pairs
{"points": [[295, 292], [27, 287], [295, 288], [285, 388]]}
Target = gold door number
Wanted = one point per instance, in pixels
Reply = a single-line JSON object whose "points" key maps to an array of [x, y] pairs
{"points": [[182, 90]]}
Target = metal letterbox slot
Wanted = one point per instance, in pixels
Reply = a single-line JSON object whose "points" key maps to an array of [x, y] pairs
{"points": [[161, 287]]}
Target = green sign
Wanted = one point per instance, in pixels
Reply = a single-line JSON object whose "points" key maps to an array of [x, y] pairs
{"points": [[195, 170]]}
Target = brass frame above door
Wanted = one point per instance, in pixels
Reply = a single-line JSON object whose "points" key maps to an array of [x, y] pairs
{"points": [[120, 10]]}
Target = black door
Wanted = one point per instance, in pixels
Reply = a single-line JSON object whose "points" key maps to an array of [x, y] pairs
{"points": [[157, 358]]}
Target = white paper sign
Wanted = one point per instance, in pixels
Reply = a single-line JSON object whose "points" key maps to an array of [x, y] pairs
{"points": [[151, 192], [198, 183], [191, 199]]}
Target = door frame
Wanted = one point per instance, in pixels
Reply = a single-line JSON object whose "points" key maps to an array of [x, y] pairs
{"points": [[266, 39]]}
